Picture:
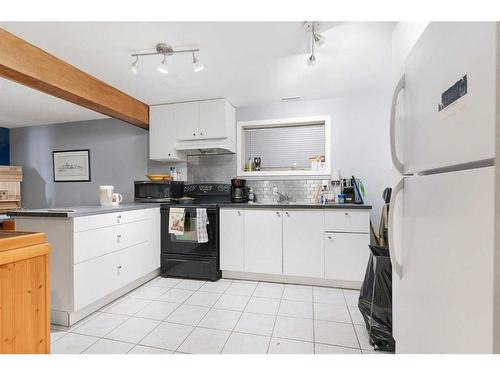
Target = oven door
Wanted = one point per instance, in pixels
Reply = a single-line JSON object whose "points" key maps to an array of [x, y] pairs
{"points": [[187, 243]]}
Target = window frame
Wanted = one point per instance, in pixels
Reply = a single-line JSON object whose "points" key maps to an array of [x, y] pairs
{"points": [[283, 122]]}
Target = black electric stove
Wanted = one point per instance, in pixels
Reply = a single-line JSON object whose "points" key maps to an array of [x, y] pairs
{"points": [[182, 255]]}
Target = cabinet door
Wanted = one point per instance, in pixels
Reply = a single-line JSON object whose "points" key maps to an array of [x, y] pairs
{"points": [[346, 256], [212, 119], [303, 247], [232, 232], [163, 134], [95, 279], [263, 241], [186, 120]]}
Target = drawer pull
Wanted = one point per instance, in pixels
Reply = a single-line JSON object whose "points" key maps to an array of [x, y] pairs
{"points": [[346, 213], [278, 214], [239, 213], [118, 237], [330, 237], [118, 218]]}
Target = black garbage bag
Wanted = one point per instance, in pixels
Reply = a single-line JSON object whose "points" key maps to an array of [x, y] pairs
{"points": [[376, 293]]}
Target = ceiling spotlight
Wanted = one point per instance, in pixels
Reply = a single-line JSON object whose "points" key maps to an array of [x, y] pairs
{"points": [[319, 39], [163, 68], [133, 66], [197, 65], [316, 39]]}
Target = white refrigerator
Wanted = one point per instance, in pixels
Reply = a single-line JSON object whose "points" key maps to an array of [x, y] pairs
{"points": [[442, 214]]}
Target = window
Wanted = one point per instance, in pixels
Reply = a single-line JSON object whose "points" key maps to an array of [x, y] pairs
{"points": [[299, 146]]}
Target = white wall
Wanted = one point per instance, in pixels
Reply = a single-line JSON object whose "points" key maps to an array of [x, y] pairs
{"points": [[360, 135], [404, 37]]}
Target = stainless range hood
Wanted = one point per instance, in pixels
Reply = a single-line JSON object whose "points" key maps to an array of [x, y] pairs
{"points": [[206, 147]]}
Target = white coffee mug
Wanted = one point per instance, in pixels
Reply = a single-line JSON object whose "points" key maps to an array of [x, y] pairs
{"points": [[117, 199], [106, 195]]}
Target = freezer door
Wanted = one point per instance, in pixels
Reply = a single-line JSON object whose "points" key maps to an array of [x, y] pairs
{"points": [[443, 302], [463, 132]]}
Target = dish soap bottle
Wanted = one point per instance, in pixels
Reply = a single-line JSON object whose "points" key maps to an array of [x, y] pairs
{"points": [[251, 195], [324, 195]]}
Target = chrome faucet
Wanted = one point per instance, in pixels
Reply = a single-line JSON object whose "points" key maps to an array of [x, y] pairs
{"points": [[282, 198]]}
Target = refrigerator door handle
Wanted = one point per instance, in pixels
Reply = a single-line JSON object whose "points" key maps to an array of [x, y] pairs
{"points": [[397, 267], [392, 128]]}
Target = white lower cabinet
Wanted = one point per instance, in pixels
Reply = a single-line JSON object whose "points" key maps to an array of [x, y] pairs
{"points": [[303, 253], [232, 240], [346, 255], [330, 244], [263, 241], [97, 257]]}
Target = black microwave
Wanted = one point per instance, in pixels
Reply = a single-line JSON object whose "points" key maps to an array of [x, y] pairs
{"points": [[149, 191]]}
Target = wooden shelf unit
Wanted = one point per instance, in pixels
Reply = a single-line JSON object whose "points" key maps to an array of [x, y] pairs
{"points": [[10, 182]]}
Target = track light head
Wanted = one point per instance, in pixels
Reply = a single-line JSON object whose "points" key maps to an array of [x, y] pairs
{"points": [[197, 65], [163, 68], [319, 39], [134, 66]]}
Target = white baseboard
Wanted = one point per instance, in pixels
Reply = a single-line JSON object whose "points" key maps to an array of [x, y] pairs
{"points": [[291, 279]]}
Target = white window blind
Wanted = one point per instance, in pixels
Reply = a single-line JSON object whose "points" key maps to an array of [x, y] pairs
{"points": [[282, 148]]}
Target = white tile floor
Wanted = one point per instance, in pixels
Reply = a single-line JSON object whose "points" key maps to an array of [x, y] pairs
{"points": [[167, 316]]}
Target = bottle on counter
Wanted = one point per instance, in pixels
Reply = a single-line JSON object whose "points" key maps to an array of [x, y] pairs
{"points": [[251, 195], [324, 195]]}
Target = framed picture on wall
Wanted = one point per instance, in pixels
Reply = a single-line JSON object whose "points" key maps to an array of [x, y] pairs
{"points": [[71, 165]]}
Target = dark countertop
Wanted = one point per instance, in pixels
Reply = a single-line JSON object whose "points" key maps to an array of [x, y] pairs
{"points": [[348, 206], [80, 210]]}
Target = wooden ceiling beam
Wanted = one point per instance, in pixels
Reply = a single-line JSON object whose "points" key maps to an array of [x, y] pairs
{"points": [[31, 66]]}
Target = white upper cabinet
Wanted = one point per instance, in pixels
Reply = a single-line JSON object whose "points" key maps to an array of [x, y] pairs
{"points": [[186, 120], [217, 119], [174, 126], [163, 133]]}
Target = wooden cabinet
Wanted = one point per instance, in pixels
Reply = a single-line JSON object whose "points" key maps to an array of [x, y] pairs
{"points": [[10, 188], [346, 256], [303, 253], [232, 240], [173, 125], [163, 133], [263, 241], [24, 293]]}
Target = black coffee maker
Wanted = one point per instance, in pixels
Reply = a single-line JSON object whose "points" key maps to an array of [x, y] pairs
{"points": [[239, 191]]}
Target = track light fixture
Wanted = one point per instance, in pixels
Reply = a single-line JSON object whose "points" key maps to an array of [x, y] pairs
{"points": [[316, 39], [166, 50]]}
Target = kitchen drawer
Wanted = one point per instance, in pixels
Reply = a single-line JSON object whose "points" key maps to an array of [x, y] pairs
{"points": [[95, 279], [105, 220], [357, 221], [98, 277], [346, 256], [97, 242]]}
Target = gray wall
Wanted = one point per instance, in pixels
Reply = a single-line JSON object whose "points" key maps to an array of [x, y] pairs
{"points": [[360, 135], [118, 156]]}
